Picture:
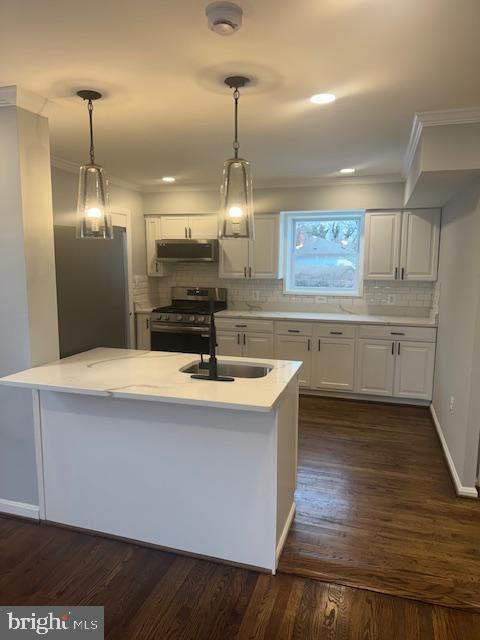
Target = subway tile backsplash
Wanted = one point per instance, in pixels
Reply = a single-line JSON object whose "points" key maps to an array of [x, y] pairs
{"points": [[386, 298]]}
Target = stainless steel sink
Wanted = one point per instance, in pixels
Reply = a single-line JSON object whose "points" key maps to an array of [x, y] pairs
{"points": [[231, 369]]}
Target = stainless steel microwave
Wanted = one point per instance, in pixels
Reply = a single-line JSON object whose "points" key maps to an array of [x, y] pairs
{"points": [[187, 250]]}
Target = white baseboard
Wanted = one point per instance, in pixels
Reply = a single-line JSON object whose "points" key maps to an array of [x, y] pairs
{"points": [[350, 395], [20, 509], [465, 492], [283, 537]]}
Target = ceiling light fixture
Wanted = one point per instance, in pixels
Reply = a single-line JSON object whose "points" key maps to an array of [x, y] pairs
{"points": [[168, 179], [347, 170], [323, 98], [224, 18], [236, 214], [93, 215]]}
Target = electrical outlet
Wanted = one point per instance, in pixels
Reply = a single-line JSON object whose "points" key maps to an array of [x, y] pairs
{"points": [[392, 298], [321, 299], [452, 402]]}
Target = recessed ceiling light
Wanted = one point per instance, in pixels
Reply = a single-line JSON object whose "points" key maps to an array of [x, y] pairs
{"points": [[323, 98], [347, 170], [168, 179]]}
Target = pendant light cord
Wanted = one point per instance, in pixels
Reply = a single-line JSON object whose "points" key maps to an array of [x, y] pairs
{"points": [[236, 144], [90, 118]]}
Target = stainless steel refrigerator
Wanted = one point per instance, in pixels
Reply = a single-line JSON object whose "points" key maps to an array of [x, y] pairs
{"points": [[91, 291]]}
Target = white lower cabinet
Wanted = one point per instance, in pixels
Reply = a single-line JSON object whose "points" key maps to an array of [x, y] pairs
{"points": [[375, 367], [143, 331], [248, 345], [414, 370], [334, 364], [296, 348]]}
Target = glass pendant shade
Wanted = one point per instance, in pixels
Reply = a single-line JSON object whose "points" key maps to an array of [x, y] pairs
{"points": [[236, 213], [93, 213]]}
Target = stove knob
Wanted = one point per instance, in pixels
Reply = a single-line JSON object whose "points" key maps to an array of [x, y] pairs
{"points": [[179, 318], [191, 318], [200, 318], [166, 317]]}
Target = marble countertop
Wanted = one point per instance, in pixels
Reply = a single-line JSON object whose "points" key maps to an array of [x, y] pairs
{"points": [[328, 317], [155, 375]]}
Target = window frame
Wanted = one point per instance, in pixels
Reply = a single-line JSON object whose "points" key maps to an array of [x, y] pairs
{"points": [[289, 219]]}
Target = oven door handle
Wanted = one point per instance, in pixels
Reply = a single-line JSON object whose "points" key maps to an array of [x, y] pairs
{"points": [[179, 329]]}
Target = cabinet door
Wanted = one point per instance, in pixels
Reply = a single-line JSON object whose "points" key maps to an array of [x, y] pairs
{"points": [[229, 344], [420, 239], [334, 364], [233, 258], [152, 233], [203, 227], [143, 332], [375, 367], [257, 345], [173, 227], [382, 245], [296, 348], [264, 250], [414, 369]]}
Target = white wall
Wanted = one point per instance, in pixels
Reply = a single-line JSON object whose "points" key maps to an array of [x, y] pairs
{"points": [[64, 190], [342, 196], [457, 371]]}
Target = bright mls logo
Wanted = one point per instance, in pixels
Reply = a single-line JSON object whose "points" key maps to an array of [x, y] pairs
{"points": [[59, 622]]}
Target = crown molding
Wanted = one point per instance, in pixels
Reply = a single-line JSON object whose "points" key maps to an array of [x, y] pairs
{"points": [[15, 96], [73, 167], [285, 184], [465, 115]]}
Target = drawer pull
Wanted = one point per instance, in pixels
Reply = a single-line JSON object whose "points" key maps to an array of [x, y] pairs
{"points": [[336, 333], [240, 326], [293, 330], [397, 333]]}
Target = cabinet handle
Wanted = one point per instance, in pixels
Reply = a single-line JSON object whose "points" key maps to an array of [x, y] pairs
{"points": [[403, 273], [393, 348], [190, 232], [244, 339], [294, 331], [240, 326], [238, 338], [398, 350], [249, 272], [319, 343], [186, 234], [308, 344], [148, 323], [396, 273], [336, 333], [244, 272], [396, 333]]}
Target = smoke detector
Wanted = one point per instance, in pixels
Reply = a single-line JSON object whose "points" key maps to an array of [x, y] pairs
{"points": [[224, 17]]}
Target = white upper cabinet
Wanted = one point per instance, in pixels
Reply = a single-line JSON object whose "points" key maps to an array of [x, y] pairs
{"points": [[402, 245], [420, 240], [173, 227], [382, 245], [258, 259], [152, 233], [196, 227], [203, 227]]}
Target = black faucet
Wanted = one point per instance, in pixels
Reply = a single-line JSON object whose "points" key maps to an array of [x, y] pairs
{"points": [[212, 363]]}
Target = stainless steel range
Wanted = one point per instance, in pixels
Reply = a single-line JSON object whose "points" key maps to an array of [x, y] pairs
{"points": [[184, 326]]}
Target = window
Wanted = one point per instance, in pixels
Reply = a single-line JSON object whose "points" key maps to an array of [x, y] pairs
{"points": [[323, 253]]}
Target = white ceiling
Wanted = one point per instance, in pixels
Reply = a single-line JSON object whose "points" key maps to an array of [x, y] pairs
{"points": [[167, 113]]}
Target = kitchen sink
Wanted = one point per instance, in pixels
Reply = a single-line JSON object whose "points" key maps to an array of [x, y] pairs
{"points": [[231, 369]]}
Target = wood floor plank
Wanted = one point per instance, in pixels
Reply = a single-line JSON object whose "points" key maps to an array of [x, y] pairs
{"points": [[376, 507]]}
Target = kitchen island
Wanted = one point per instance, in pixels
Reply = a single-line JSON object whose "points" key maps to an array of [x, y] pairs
{"points": [[129, 445]]}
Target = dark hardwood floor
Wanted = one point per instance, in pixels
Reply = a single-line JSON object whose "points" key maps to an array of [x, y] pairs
{"points": [[153, 595], [376, 507]]}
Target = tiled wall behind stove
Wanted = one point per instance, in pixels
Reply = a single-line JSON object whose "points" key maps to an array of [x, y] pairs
{"points": [[418, 297]]}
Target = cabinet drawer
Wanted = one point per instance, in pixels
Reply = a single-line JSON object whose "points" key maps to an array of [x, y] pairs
{"points": [[293, 328], [425, 334], [244, 324], [332, 330]]}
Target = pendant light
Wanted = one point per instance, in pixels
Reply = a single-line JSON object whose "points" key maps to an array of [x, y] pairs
{"points": [[93, 214], [236, 214]]}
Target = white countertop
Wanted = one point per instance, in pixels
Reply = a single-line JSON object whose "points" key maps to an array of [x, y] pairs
{"points": [[328, 317], [155, 375]]}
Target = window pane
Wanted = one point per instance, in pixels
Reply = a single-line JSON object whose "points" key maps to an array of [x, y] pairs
{"points": [[325, 256]]}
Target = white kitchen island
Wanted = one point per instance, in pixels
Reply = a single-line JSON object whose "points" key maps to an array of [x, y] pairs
{"points": [[129, 445]]}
